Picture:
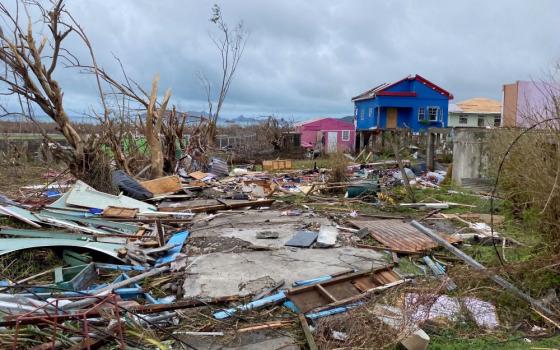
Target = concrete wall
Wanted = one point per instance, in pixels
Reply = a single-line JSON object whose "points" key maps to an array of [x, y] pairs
{"points": [[470, 154]]}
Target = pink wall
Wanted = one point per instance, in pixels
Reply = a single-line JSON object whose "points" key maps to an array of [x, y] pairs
{"points": [[312, 131]]}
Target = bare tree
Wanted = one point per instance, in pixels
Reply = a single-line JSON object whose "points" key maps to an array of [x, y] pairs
{"points": [[151, 123], [27, 72], [28, 69], [230, 44]]}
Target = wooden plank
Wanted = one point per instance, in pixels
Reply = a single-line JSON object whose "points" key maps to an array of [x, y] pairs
{"points": [[278, 164], [310, 297], [117, 212], [307, 332], [167, 184], [325, 292], [198, 175]]}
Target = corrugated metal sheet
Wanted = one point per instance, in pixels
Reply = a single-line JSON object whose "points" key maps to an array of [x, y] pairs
{"points": [[9, 245], [82, 195], [397, 234]]}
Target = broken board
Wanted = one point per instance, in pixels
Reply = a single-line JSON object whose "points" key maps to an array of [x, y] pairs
{"points": [[167, 184], [198, 175], [336, 290], [116, 212]]}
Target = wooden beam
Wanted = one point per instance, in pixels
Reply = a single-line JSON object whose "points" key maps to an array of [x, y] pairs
{"points": [[307, 331], [537, 305]]}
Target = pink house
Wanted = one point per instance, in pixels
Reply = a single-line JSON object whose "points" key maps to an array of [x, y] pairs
{"points": [[327, 134]]}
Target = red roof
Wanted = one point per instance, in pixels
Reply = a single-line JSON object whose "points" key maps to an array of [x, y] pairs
{"points": [[380, 90]]}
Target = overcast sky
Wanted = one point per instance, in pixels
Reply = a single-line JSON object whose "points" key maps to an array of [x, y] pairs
{"points": [[308, 58]]}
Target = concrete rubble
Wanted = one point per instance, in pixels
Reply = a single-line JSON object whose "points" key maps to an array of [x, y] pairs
{"points": [[238, 249]]}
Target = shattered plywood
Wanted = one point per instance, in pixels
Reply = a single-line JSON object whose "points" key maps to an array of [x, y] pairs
{"points": [[167, 184], [397, 234], [116, 212], [198, 175]]}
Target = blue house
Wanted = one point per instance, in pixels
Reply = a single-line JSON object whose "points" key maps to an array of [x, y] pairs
{"points": [[413, 103]]}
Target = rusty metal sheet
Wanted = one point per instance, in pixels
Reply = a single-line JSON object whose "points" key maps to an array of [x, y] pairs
{"points": [[397, 234]]}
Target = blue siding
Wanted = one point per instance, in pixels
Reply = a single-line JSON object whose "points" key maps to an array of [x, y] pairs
{"points": [[407, 107]]}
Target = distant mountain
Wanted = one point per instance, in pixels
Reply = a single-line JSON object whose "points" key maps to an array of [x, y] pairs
{"points": [[242, 120], [348, 119]]}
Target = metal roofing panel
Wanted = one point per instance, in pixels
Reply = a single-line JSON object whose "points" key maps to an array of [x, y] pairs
{"points": [[8, 245], [83, 195], [397, 234]]}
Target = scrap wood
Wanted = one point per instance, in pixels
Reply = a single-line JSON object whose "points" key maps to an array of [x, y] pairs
{"points": [[339, 289], [358, 297], [548, 319], [198, 175], [166, 184], [494, 277], [126, 213], [266, 325], [307, 331]]}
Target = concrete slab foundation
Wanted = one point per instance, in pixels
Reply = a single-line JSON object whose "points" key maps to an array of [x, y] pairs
{"points": [[223, 274]]}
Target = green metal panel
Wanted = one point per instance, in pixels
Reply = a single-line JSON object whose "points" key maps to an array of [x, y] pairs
{"points": [[122, 226], [8, 245], [42, 234]]}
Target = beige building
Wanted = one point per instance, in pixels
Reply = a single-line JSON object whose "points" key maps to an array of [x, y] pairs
{"points": [[478, 112]]}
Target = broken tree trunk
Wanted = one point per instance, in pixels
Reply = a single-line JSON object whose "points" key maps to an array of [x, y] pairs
{"points": [[475, 264], [152, 128]]}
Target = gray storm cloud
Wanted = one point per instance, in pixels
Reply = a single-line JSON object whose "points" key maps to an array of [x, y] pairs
{"points": [[308, 58]]}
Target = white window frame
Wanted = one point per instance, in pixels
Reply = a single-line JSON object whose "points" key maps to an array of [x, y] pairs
{"points": [[465, 118], [370, 111], [481, 119], [421, 114], [430, 109], [362, 114], [347, 138]]}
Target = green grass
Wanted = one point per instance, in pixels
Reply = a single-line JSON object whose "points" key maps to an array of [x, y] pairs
{"points": [[451, 342], [323, 162]]}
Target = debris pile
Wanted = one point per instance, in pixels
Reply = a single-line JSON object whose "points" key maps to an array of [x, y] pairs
{"points": [[214, 253]]}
